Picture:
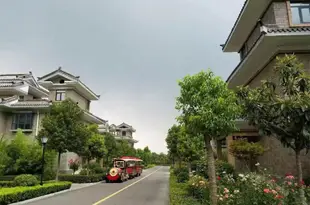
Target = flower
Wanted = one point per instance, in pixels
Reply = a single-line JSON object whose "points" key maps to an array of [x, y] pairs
{"points": [[241, 175], [236, 191], [226, 190], [266, 191], [257, 164], [218, 178]]}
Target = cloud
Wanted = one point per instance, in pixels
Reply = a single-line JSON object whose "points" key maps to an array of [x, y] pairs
{"points": [[130, 52]]}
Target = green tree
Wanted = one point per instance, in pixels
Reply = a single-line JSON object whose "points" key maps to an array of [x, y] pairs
{"points": [[4, 158], [147, 156], [124, 149], [110, 144], [280, 107], [172, 141], [95, 145], [209, 109], [189, 147], [64, 128]]}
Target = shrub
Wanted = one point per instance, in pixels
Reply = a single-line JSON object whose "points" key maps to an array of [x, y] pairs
{"points": [[82, 178], [178, 194], [16, 194], [183, 177], [94, 168], [6, 184], [223, 167], [179, 170], [26, 180], [198, 187], [246, 151], [74, 164]]}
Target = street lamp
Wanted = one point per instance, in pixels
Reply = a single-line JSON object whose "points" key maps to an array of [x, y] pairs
{"points": [[44, 141]]}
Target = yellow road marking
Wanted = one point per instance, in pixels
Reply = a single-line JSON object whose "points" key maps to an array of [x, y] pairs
{"points": [[126, 187]]}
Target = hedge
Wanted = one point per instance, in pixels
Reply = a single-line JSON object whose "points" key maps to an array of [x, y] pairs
{"points": [[82, 178], [7, 177], [7, 184], [16, 194], [178, 194]]}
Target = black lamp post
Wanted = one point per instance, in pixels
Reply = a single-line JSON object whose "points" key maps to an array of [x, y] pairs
{"points": [[44, 141]]}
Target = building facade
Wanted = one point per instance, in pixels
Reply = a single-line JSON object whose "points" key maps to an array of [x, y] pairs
{"points": [[123, 132], [24, 101], [264, 30]]}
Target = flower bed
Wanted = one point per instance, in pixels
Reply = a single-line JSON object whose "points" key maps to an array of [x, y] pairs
{"points": [[16, 194], [178, 194], [82, 178]]}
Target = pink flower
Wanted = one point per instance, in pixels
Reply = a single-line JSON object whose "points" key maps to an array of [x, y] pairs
{"points": [[266, 191], [274, 191], [226, 196]]}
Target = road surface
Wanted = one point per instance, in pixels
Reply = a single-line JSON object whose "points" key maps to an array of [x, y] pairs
{"points": [[151, 188]]}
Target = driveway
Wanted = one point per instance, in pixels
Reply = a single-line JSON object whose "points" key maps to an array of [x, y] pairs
{"points": [[151, 188]]}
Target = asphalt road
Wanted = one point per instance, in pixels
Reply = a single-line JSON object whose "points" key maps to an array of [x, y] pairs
{"points": [[151, 188]]}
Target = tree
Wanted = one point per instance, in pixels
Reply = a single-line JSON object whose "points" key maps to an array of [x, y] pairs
{"points": [[4, 158], [189, 147], [124, 149], [95, 145], [147, 156], [172, 141], [281, 108], [209, 109], [248, 152], [65, 129], [110, 144]]}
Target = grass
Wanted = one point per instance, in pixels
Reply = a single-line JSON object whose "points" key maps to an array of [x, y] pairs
{"points": [[178, 192]]}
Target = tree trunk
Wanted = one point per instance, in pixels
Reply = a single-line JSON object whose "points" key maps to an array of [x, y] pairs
{"points": [[189, 165], [211, 171], [87, 170], [299, 178], [219, 150], [58, 165]]}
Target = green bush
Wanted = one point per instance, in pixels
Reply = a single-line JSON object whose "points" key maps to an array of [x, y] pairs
{"points": [[26, 180], [183, 177], [223, 167], [95, 168], [16, 194], [7, 177], [198, 188], [82, 178], [307, 181], [178, 192], [179, 170]]}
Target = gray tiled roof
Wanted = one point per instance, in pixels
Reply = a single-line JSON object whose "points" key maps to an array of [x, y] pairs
{"points": [[10, 82], [32, 103], [288, 30]]}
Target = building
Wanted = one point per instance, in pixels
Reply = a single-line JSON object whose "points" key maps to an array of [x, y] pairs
{"points": [[123, 132], [264, 30], [24, 101]]}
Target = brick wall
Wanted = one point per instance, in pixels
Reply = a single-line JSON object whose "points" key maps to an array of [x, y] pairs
{"points": [[277, 158]]}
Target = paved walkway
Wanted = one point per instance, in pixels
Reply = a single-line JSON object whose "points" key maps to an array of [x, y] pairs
{"points": [[151, 188]]}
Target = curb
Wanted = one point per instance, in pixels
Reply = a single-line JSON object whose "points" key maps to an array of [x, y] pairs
{"points": [[53, 194]]}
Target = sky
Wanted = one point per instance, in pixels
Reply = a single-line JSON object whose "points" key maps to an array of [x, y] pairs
{"points": [[131, 52]]}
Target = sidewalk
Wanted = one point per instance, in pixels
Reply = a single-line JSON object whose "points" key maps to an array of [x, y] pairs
{"points": [[73, 188]]}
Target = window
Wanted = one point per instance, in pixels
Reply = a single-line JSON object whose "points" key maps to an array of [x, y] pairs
{"points": [[21, 98], [124, 133], [22, 121], [60, 95], [300, 13]]}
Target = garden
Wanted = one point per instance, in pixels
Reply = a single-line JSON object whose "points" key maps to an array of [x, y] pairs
{"points": [[208, 109]]}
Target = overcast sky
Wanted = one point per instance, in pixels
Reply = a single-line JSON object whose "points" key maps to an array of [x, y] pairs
{"points": [[131, 52]]}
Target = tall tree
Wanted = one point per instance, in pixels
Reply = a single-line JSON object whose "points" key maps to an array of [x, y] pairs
{"points": [[209, 109], [172, 141], [64, 128], [189, 147], [281, 108], [95, 146], [110, 144]]}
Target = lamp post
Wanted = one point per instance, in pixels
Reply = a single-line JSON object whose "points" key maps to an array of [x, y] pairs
{"points": [[44, 141]]}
